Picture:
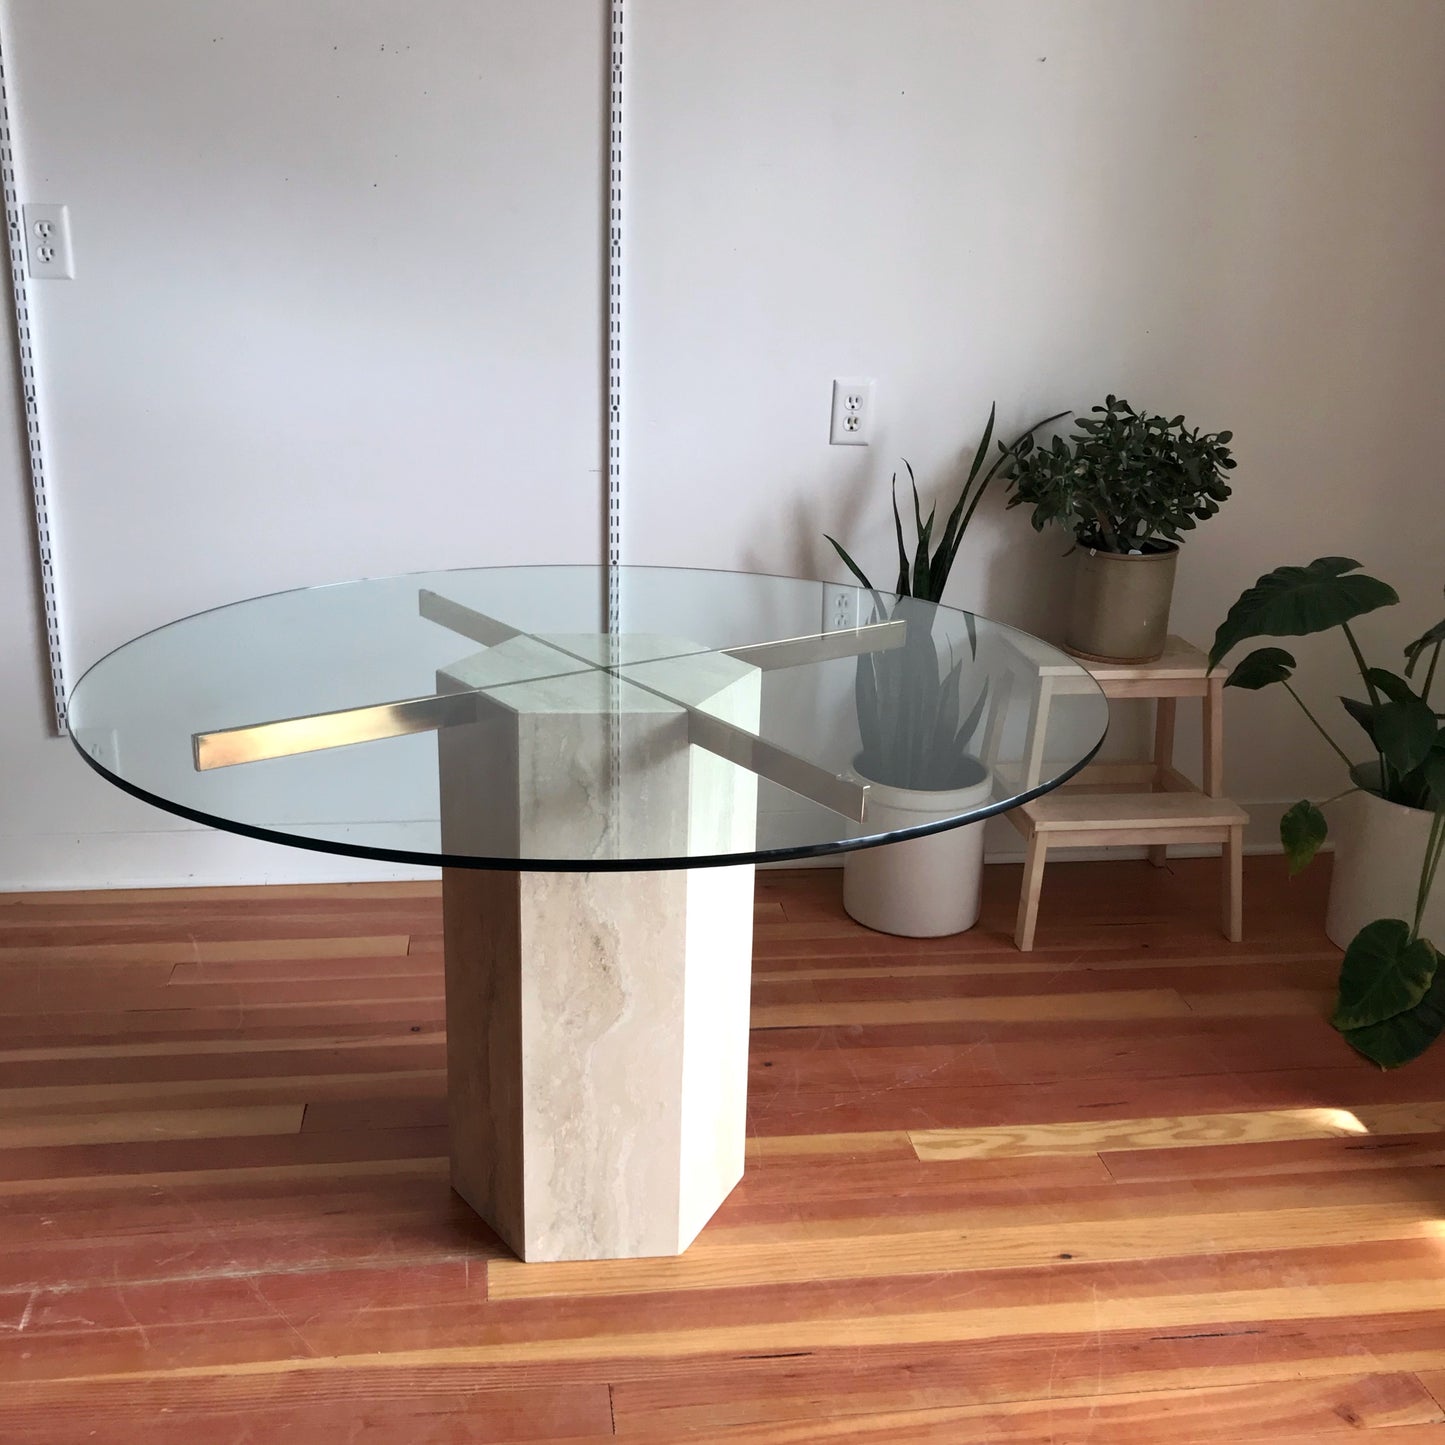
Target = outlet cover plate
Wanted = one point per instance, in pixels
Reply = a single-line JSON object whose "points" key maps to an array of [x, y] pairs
{"points": [[852, 417], [48, 255]]}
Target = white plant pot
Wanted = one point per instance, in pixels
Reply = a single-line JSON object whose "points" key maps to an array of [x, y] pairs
{"points": [[920, 887], [1379, 848]]}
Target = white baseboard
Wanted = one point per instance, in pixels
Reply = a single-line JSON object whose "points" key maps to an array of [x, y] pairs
{"points": [[176, 858]]}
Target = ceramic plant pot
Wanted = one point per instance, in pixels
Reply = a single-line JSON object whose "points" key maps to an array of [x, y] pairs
{"points": [[920, 887], [1379, 848], [1121, 603]]}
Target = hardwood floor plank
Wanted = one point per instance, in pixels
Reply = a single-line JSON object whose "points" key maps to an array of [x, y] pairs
{"points": [[1317, 1410], [138, 1126], [1158, 1003], [227, 1176], [62, 955], [162, 1156], [332, 1410], [1263, 1126], [1326, 1156], [61, 1100]]}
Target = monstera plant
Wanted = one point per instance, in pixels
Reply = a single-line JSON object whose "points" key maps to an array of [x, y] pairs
{"points": [[1391, 1003]]}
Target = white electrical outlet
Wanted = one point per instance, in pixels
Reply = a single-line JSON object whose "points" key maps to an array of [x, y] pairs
{"points": [[840, 607], [47, 243], [852, 424]]}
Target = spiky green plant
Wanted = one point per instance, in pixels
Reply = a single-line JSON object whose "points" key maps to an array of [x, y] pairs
{"points": [[914, 730]]}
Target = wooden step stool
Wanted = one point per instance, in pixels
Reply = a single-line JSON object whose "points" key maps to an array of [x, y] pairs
{"points": [[1148, 802]]}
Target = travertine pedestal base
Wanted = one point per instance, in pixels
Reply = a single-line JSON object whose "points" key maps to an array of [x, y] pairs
{"points": [[597, 1055], [597, 1022]]}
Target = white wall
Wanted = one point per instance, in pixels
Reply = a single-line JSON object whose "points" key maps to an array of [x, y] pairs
{"points": [[336, 314], [1222, 207]]}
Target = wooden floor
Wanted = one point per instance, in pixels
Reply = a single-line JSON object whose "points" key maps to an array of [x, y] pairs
{"points": [[1127, 1188]]}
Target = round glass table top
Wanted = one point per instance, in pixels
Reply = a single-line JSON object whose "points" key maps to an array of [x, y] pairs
{"points": [[489, 718]]}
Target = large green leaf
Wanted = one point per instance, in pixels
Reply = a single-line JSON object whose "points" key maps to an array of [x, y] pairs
{"points": [[1405, 732], [1298, 601], [1405, 1036], [1363, 714], [1384, 973], [1389, 685], [1263, 666], [848, 562], [902, 589], [1301, 830], [953, 528]]}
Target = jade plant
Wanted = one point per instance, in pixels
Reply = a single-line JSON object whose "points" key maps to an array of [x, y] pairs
{"points": [[1125, 481], [1391, 1003]]}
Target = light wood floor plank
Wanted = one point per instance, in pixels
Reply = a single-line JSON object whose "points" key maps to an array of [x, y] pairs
{"points": [[1264, 1126], [1159, 1003]]}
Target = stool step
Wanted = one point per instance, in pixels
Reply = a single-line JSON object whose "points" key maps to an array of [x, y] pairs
{"points": [[1062, 812]]}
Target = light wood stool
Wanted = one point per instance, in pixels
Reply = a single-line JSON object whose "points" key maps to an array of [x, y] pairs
{"points": [[1148, 802]]}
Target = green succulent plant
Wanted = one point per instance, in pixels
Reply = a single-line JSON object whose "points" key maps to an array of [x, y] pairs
{"points": [[1124, 481]]}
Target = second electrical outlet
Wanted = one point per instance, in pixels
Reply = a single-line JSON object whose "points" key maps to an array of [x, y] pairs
{"points": [[852, 413]]}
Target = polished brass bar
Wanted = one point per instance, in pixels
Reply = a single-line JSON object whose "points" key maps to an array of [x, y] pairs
{"points": [[287, 736], [464, 620], [778, 765], [822, 646]]}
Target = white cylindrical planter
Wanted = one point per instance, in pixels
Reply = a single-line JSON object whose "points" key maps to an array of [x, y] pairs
{"points": [[1379, 848], [921, 887]]}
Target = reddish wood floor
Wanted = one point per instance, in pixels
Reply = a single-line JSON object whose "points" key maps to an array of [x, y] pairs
{"points": [[1128, 1188]]}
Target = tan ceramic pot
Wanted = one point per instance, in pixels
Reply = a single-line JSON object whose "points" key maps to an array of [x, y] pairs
{"points": [[1120, 610]]}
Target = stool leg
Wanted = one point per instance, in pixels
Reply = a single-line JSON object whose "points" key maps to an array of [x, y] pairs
{"points": [[1233, 865], [1164, 712], [1029, 894], [1214, 737]]}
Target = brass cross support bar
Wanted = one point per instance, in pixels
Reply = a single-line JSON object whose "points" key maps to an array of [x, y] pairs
{"points": [[288, 736], [823, 646], [467, 621], [778, 765], [258, 741]]}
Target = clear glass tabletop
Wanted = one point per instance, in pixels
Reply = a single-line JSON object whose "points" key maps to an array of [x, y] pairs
{"points": [[489, 718]]}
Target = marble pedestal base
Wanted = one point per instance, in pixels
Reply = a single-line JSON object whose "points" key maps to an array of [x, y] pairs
{"points": [[597, 1022], [597, 1038]]}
